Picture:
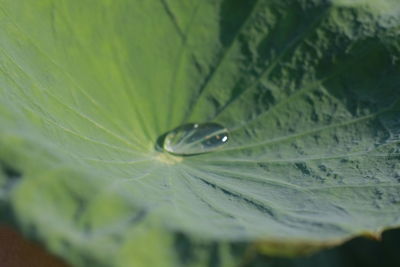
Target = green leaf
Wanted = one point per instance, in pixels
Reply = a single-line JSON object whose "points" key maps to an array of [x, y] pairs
{"points": [[308, 90]]}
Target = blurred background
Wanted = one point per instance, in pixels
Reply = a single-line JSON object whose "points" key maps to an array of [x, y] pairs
{"points": [[15, 251]]}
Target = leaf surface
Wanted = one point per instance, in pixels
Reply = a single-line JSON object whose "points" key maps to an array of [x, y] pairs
{"points": [[308, 90]]}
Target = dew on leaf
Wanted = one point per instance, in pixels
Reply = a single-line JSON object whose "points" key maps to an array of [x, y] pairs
{"points": [[195, 138]]}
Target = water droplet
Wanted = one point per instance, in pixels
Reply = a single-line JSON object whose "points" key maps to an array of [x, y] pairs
{"points": [[194, 138]]}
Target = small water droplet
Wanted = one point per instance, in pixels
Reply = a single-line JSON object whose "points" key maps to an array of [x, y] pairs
{"points": [[194, 138]]}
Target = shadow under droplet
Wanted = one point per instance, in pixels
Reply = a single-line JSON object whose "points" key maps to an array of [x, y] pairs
{"points": [[160, 142]]}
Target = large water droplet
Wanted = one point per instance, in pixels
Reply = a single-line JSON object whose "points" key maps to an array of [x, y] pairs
{"points": [[193, 138]]}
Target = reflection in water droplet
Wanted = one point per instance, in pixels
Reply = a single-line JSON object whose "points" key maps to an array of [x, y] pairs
{"points": [[192, 139]]}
